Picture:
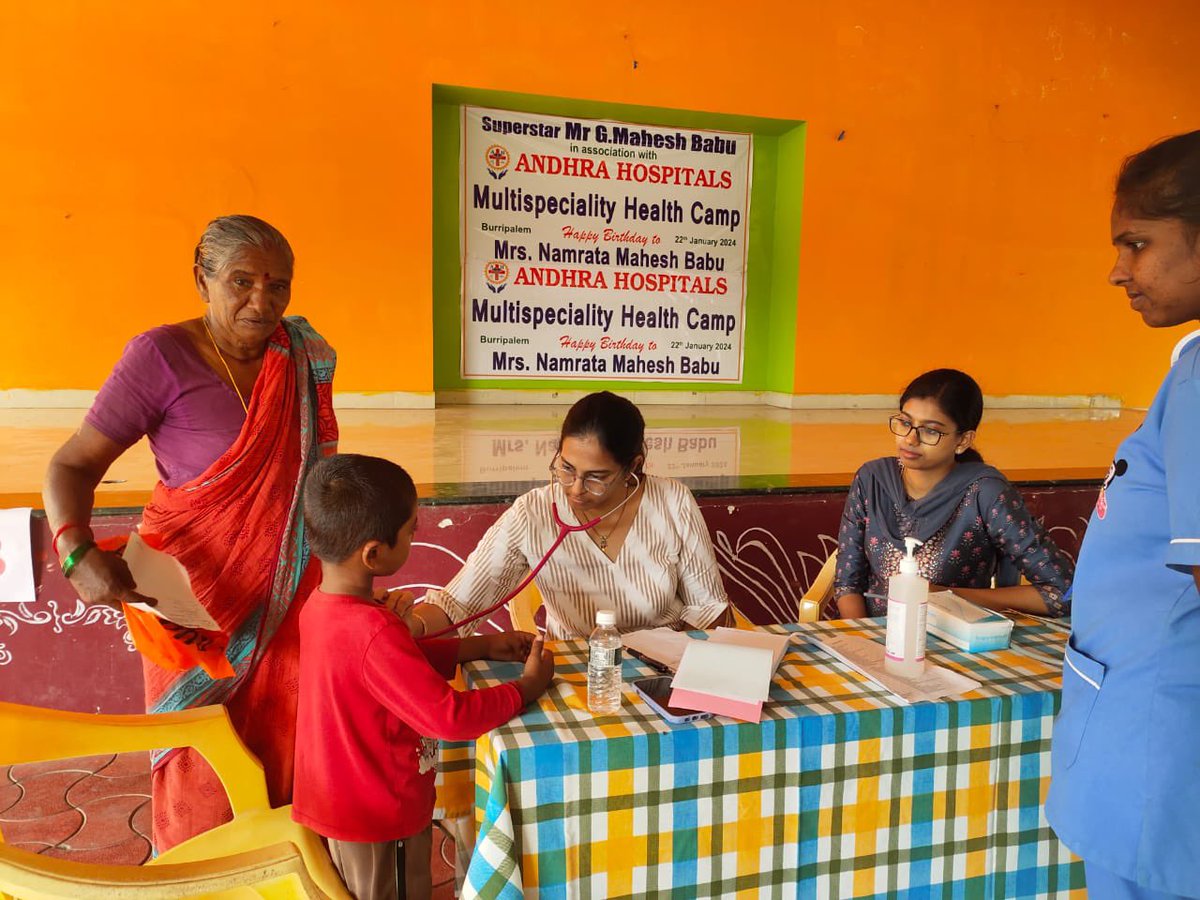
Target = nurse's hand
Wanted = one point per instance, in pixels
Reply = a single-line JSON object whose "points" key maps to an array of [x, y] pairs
{"points": [[401, 603], [398, 602]]}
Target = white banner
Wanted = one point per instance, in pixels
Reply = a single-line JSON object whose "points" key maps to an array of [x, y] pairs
{"points": [[602, 250]]}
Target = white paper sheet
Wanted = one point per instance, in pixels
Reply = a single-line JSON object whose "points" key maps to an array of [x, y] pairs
{"points": [[777, 643], [163, 577], [866, 656], [963, 609], [664, 645], [16, 557], [725, 670]]}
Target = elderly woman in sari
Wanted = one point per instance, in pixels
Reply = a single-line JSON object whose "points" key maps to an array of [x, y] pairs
{"points": [[237, 406]]}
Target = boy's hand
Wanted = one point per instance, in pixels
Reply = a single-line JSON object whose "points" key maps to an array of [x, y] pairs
{"points": [[539, 672], [511, 646]]}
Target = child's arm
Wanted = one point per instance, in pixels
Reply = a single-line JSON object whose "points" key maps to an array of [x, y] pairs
{"points": [[539, 672], [399, 677], [506, 645]]}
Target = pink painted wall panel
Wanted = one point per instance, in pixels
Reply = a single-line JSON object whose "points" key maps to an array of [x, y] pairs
{"points": [[770, 545]]}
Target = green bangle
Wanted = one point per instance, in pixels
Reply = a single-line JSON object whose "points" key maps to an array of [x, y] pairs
{"points": [[75, 556]]}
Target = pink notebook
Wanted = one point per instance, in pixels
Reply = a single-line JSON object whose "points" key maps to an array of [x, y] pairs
{"points": [[724, 678], [745, 710]]}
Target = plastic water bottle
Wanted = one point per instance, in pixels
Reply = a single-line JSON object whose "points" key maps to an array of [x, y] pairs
{"points": [[604, 665]]}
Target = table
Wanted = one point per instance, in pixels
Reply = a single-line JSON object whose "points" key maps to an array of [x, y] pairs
{"points": [[841, 790]]}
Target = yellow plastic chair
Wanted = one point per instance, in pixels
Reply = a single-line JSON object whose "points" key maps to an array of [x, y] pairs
{"points": [[740, 620], [522, 609], [820, 592], [812, 604], [261, 853]]}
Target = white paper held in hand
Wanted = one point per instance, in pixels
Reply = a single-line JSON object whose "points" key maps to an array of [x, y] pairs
{"points": [[163, 577], [16, 557]]}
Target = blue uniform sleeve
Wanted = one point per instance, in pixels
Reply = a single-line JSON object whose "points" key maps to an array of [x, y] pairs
{"points": [[1181, 458]]}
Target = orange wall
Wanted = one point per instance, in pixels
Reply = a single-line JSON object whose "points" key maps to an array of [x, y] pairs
{"points": [[962, 220]]}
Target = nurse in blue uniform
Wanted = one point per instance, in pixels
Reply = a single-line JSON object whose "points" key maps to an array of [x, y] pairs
{"points": [[1125, 784]]}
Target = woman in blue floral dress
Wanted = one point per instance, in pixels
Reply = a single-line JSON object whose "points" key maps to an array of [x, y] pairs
{"points": [[973, 523]]}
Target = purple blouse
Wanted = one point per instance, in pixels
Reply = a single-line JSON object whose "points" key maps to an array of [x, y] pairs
{"points": [[162, 388]]}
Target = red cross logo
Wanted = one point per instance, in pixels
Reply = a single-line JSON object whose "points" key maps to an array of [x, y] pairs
{"points": [[496, 274], [496, 158]]}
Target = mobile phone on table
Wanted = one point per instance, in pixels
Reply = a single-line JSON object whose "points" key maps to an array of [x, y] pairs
{"points": [[656, 691]]}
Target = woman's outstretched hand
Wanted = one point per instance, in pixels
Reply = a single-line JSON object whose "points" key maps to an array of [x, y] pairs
{"points": [[103, 579]]}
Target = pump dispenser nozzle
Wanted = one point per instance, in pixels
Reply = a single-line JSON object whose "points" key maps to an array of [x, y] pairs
{"points": [[908, 565]]}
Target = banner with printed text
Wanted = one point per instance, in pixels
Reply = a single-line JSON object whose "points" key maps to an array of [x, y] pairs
{"points": [[602, 250]]}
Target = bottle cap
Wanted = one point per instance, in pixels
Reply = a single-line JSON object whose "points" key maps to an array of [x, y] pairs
{"points": [[606, 617], [908, 565]]}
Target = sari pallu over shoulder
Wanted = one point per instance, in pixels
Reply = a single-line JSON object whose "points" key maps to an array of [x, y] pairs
{"points": [[237, 527]]}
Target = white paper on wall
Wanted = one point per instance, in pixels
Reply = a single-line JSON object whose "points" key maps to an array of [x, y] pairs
{"points": [[16, 557]]}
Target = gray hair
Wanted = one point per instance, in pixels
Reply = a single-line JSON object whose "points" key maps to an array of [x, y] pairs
{"points": [[227, 236]]}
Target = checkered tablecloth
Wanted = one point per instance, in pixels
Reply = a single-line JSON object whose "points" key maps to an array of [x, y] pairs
{"points": [[841, 790]]}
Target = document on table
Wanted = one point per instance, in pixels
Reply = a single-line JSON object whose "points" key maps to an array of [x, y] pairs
{"points": [[866, 656], [725, 670], [661, 645], [163, 577], [776, 643], [724, 678]]}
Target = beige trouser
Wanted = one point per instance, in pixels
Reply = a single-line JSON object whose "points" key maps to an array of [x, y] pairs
{"points": [[372, 871]]}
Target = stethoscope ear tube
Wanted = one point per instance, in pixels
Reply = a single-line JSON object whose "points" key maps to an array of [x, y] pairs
{"points": [[563, 530]]}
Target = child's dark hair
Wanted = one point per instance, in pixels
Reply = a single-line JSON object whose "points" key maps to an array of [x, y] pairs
{"points": [[613, 421], [959, 397], [1163, 181], [350, 499]]}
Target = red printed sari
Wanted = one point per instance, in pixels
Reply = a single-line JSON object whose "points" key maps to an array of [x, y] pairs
{"points": [[238, 530]]}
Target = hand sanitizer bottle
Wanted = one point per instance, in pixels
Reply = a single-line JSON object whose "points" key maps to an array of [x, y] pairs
{"points": [[908, 601]]}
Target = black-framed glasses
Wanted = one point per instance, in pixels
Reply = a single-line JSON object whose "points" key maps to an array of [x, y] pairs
{"points": [[593, 484], [901, 427]]}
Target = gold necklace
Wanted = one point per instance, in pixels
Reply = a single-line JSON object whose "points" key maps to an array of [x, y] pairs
{"points": [[602, 539], [228, 371]]}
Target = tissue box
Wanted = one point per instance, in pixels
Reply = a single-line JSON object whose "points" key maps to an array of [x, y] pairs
{"points": [[965, 625]]}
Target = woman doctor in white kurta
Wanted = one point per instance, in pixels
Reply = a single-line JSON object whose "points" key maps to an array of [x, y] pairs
{"points": [[650, 558]]}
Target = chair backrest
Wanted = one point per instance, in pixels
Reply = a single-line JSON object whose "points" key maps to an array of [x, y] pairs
{"points": [[262, 852], [277, 871], [820, 593], [34, 734], [522, 609]]}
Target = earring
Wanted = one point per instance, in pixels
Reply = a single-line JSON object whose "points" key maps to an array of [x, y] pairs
{"points": [[958, 451]]}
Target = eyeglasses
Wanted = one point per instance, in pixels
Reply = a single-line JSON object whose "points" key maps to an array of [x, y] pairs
{"points": [[593, 484], [901, 427]]}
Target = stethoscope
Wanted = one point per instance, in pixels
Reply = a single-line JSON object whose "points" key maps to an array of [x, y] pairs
{"points": [[563, 530]]}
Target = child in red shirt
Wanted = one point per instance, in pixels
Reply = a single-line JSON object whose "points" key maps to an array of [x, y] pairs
{"points": [[373, 700]]}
